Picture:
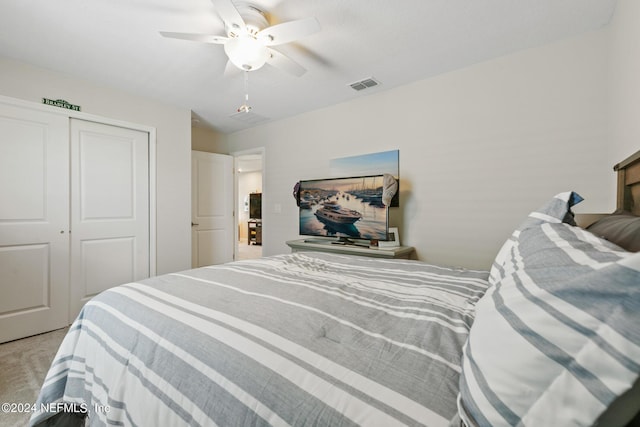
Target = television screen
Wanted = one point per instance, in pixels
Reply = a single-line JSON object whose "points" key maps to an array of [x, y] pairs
{"points": [[255, 205], [343, 208]]}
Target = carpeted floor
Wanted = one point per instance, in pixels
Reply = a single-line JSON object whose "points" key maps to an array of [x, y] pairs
{"points": [[246, 251], [23, 365]]}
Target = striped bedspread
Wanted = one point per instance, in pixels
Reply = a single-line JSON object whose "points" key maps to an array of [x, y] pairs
{"points": [[290, 340]]}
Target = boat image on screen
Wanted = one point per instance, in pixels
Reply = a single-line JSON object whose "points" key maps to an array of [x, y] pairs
{"points": [[332, 213], [343, 207]]}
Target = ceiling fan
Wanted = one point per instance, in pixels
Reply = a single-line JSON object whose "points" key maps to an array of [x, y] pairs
{"points": [[249, 39]]}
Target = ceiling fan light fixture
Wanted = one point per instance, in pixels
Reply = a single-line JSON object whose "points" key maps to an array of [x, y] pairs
{"points": [[246, 53], [249, 37]]}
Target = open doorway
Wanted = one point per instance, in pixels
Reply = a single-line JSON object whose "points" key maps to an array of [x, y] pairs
{"points": [[249, 175]]}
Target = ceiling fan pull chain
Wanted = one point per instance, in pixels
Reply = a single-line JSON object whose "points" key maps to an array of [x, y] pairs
{"points": [[245, 107], [246, 87]]}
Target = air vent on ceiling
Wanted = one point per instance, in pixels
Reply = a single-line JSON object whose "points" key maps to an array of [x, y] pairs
{"points": [[364, 84], [249, 118]]}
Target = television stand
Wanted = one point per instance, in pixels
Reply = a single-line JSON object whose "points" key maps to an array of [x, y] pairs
{"points": [[348, 242], [344, 241], [318, 241], [323, 245]]}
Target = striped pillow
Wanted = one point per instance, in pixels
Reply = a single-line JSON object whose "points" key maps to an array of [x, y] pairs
{"points": [[556, 339]]}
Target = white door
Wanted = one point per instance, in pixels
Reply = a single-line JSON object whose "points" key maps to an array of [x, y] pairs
{"points": [[109, 208], [212, 224], [34, 222]]}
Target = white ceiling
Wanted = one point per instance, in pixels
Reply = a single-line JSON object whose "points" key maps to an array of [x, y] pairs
{"points": [[116, 43]]}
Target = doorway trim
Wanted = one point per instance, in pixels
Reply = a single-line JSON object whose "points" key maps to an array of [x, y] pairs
{"points": [[260, 151]]}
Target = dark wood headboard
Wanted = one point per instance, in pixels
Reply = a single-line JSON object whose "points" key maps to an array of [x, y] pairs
{"points": [[628, 197], [629, 184]]}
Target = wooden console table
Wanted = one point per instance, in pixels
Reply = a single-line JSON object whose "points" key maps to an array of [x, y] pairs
{"points": [[254, 232], [318, 245]]}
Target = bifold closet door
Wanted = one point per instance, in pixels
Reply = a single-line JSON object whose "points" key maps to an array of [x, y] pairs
{"points": [[109, 208], [34, 222]]}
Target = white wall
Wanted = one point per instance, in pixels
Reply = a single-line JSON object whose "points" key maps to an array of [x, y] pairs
{"points": [[203, 139], [173, 127], [624, 80], [479, 148]]}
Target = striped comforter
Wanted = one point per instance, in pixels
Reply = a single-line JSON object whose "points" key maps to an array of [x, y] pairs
{"points": [[289, 340]]}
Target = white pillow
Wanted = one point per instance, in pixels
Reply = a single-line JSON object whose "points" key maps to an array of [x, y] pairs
{"points": [[556, 339]]}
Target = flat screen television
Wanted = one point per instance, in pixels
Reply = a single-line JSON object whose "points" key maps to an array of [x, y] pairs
{"points": [[255, 205], [343, 208]]}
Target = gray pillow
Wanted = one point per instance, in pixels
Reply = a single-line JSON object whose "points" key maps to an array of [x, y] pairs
{"points": [[621, 228]]}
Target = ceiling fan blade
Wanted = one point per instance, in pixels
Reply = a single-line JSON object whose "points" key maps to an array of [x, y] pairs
{"points": [[284, 63], [230, 15], [204, 38], [231, 70], [288, 31]]}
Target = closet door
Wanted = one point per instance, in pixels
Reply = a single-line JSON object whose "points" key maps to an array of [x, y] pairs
{"points": [[34, 222], [109, 208]]}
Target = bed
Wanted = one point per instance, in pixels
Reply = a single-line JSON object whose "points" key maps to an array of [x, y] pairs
{"points": [[549, 336]]}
